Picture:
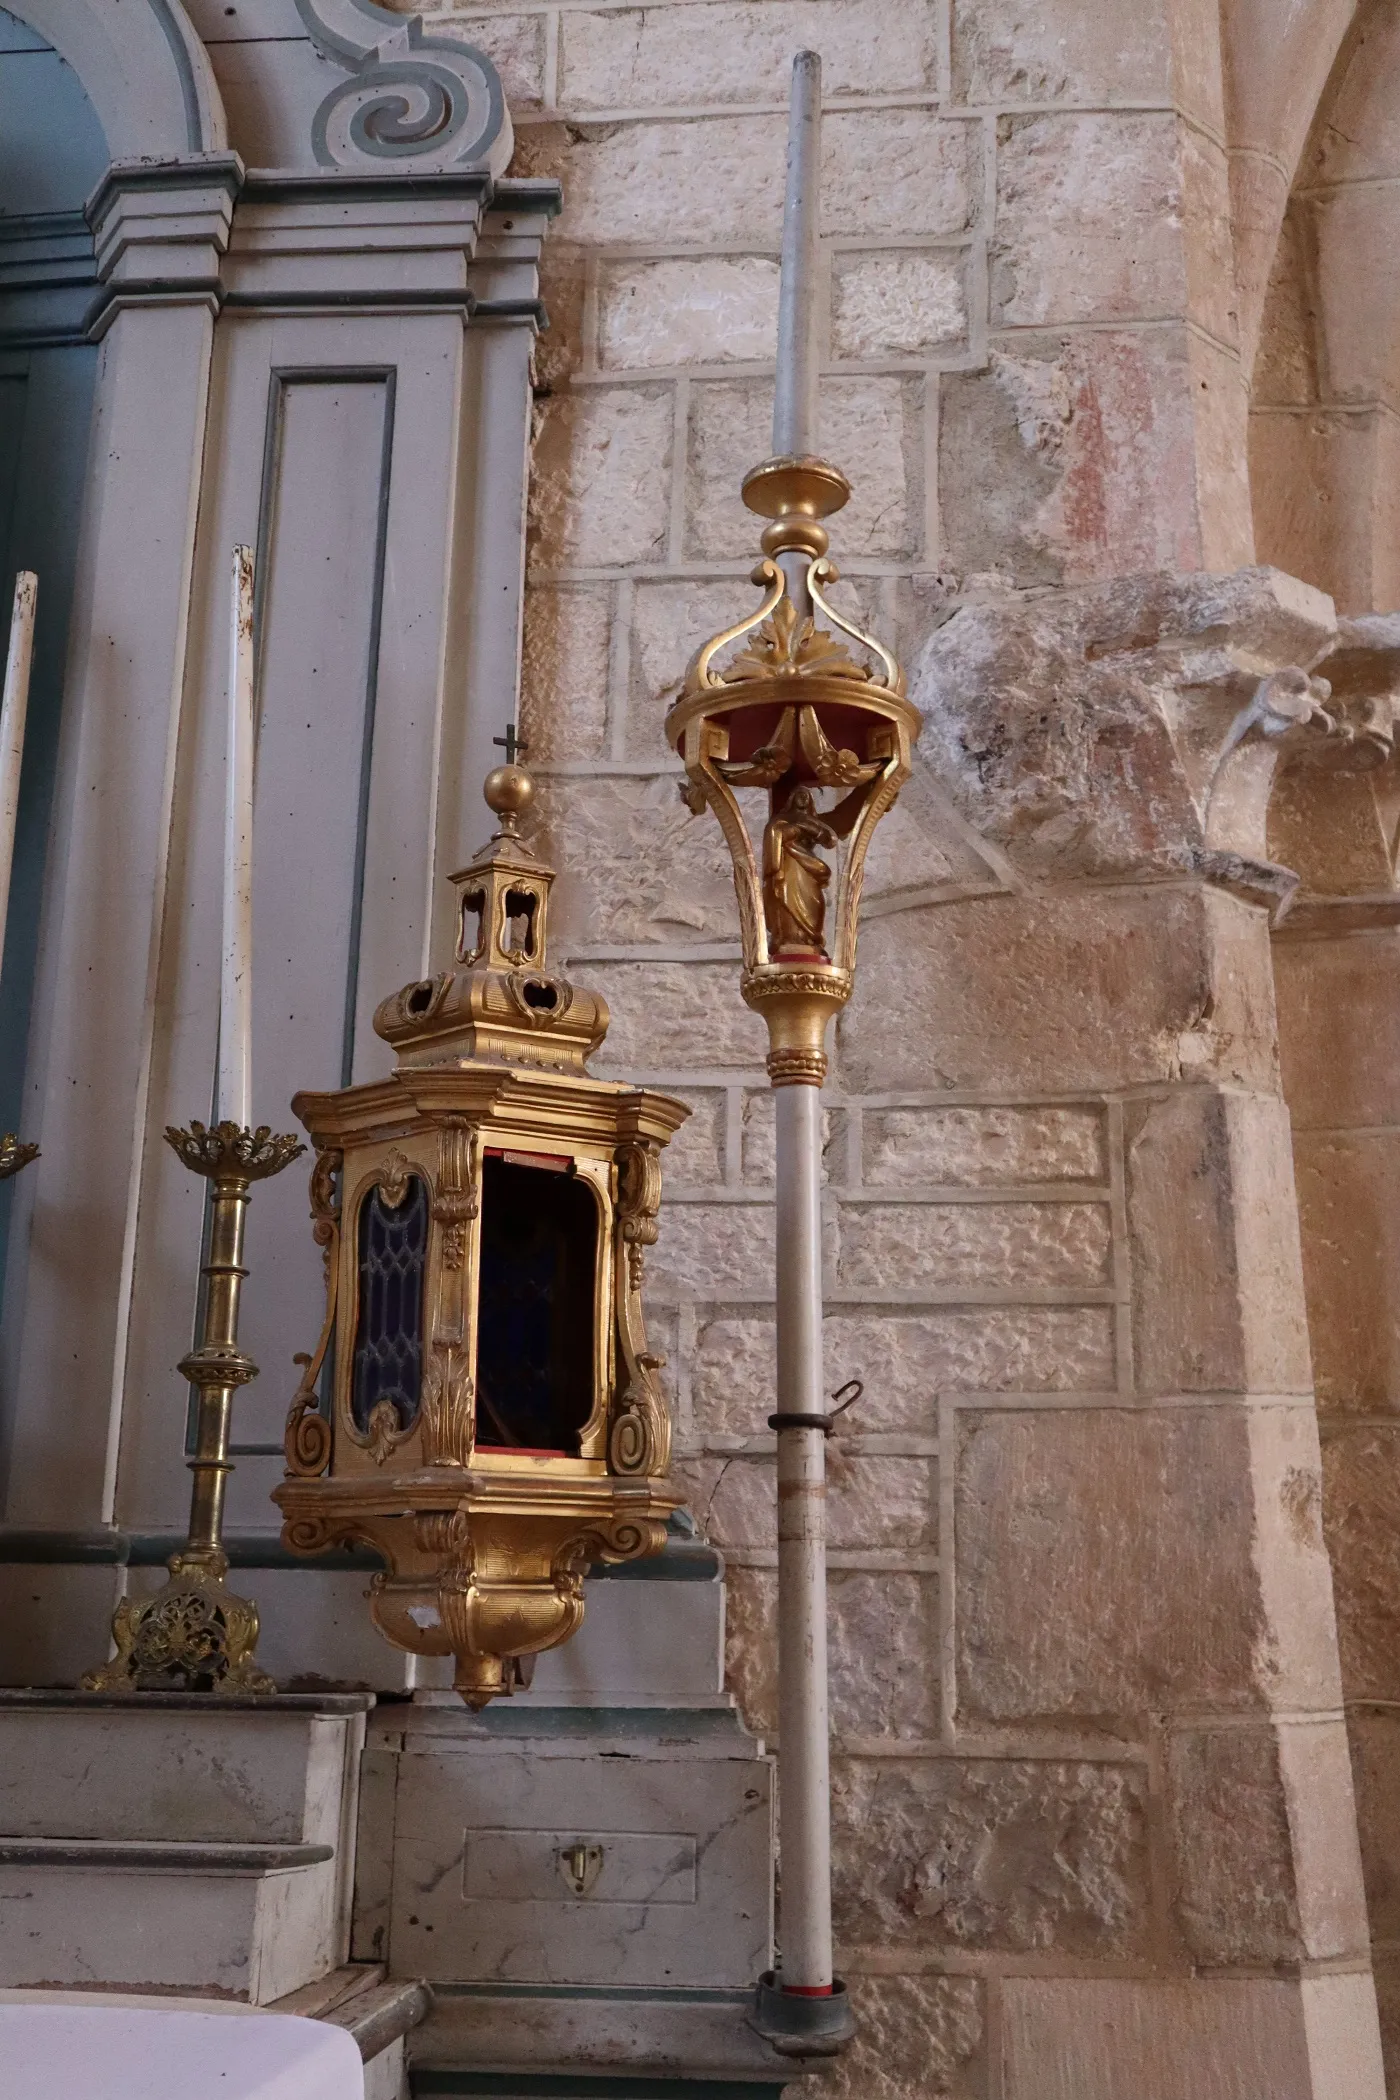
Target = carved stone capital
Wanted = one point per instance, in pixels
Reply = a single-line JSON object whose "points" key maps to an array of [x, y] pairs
{"points": [[1134, 729]]}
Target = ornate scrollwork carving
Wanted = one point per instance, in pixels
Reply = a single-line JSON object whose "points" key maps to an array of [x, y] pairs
{"points": [[307, 1438], [639, 1440], [432, 101], [456, 1200]]}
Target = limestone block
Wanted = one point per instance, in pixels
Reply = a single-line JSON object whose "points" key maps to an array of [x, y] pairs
{"points": [[1361, 140], [1347, 1189], [695, 1156], [1257, 2039], [712, 309], [1089, 989], [1276, 324], [559, 349], [1082, 1586], [882, 1637], [904, 1246], [1296, 1657], [1092, 443], [1375, 1764], [677, 1016], [515, 46], [564, 672], [634, 863], [1207, 236], [914, 2034], [759, 1139], [1021, 1856], [905, 1361], [904, 303], [915, 847], [636, 58], [1361, 1503], [707, 1249], [870, 1502], [1339, 1030], [1057, 50], [1234, 1900], [1217, 1266], [978, 1147], [600, 489], [720, 179], [870, 426], [1220, 398], [1088, 224]]}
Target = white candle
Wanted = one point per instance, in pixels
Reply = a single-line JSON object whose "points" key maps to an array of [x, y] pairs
{"points": [[12, 714], [236, 979]]}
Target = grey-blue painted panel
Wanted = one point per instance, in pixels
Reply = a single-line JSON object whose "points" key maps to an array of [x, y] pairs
{"points": [[320, 559], [52, 149]]}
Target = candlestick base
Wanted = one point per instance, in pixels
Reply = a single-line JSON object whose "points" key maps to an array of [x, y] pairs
{"points": [[193, 1635], [14, 1155]]}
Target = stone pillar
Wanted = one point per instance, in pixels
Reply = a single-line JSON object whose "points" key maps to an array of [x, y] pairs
{"points": [[1133, 1814], [1337, 965]]}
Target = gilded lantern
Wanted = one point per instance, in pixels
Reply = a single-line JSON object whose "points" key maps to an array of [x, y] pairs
{"points": [[482, 1408]]}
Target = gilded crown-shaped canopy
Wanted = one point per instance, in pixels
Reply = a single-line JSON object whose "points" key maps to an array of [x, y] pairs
{"points": [[501, 1003], [778, 702], [482, 1406]]}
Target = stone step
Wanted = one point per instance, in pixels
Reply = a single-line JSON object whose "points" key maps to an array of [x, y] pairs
{"points": [[176, 1766], [173, 1841], [377, 2013], [242, 1921]]}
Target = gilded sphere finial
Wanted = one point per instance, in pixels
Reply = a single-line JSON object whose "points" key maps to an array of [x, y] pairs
{"points": [[509, 791]]}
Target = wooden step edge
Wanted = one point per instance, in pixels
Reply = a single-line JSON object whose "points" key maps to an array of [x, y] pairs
{"points": [[376, 2018]]}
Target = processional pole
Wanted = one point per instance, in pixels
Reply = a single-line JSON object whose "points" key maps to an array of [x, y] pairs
{"points": [[793, 712]]}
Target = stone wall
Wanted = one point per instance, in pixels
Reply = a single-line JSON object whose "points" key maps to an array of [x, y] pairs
{"points": [[1095, 1823]]}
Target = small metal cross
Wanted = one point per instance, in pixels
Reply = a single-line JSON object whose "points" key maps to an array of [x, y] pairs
{"points": [[514, 745]]}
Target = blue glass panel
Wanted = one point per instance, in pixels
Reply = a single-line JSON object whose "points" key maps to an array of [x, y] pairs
{"points": [[388, 1361]]}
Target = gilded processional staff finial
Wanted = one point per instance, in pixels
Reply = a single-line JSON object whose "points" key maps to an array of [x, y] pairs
{"points": [[797, 702]]}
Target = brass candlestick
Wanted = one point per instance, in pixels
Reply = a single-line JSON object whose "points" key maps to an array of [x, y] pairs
{"points": [[14, 1155], [194, 1634]]}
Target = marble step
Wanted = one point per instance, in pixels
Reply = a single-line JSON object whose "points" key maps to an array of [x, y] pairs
{"points": [[238, 1920], [176, 1766]]}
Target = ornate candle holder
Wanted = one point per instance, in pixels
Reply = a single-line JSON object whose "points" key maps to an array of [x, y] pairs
{"points": [[14, 1155], [194, 1634]]}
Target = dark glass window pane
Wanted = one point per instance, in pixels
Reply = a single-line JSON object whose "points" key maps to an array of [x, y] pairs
{"points": [[388, 1364], [534, 1349]]}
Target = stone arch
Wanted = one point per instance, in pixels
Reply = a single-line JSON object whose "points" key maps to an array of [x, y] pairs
{"points": [[145, 71], [1325, 423]]}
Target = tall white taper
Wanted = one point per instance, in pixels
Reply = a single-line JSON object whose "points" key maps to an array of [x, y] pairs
{"points": [[235, 1092], [804, 1780], [13, 713]]}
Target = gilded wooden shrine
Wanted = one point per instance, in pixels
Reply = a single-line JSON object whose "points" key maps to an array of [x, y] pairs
{"points": [[482, 1408]]}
